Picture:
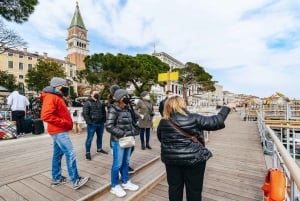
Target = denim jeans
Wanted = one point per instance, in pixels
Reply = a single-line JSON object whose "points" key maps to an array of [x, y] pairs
{"points": [[62, 145], [142, 134], [91, 129], [121, 158]]}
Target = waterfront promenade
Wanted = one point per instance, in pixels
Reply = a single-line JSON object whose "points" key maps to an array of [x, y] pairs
{"points": [[235, 172]]}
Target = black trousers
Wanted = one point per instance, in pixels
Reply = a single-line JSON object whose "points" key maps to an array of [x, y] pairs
{"points": [[189, 176], [19, 116]]}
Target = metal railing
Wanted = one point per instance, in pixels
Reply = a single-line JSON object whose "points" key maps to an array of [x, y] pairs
{"points": [[281, 158], [286, 111]]}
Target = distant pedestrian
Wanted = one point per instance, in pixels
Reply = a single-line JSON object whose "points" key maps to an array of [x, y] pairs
{"points": [[119, 124], [185, 159], [94, 114], [18, 105], [56, 114], [162, 102], [144, 108]]}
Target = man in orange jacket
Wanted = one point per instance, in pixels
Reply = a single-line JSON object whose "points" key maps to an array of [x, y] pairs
{"points": [[57, 116]]}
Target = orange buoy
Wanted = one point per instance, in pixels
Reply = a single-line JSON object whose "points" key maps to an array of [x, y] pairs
{"points": [[275, 185]]}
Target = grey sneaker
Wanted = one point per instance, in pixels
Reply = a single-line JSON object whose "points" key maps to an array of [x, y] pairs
{"points": [[80, 182], [58, 182]]}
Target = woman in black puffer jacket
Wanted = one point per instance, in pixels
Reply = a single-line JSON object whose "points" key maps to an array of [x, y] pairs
{"points": [[119, 123], [184, 159]]}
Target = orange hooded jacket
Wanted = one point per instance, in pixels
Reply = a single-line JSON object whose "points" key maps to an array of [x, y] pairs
{"points": [[55, 112]]}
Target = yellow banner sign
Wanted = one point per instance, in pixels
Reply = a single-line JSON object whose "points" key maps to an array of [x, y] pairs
{"points": [[173, 76]]}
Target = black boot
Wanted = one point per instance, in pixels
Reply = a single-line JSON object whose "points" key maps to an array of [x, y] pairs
{"points": [[148, 146], [143, 146], [88, 156]]}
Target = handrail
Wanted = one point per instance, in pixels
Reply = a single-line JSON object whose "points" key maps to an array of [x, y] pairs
{"points": [[283, 121], [288, 160], [280, 155], [284, 126]]}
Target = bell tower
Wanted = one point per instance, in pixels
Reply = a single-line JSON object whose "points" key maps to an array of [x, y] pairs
{"points": [[77, 42]]}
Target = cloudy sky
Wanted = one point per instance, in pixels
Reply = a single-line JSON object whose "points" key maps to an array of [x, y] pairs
{"points": [[250, 47]]}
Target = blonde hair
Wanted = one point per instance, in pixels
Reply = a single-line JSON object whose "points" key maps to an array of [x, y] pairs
{"points": [[174, 104]]}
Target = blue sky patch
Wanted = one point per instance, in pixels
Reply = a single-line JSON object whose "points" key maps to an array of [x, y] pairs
{"points": [[289, 41], [122, 3]]}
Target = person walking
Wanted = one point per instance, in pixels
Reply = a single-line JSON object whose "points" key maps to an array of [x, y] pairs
{"points": [[59, 122], [18, 104], [119, 123], [184, 159], [144, 108], [162, 102], [94, 114]]}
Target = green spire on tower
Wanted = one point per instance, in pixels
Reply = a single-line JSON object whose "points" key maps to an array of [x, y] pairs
{"points": [[77, 19]]}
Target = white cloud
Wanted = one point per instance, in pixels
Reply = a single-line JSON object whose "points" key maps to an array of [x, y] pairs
{"points": [[229, 38]]}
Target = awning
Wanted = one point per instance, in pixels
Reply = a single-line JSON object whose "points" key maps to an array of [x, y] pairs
{"points": [[4, 91]]}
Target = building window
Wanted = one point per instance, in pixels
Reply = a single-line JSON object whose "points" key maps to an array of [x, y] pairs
{"points": [[29, 58], [10, 64], [20, 66], [21, 56], [10, 54], [21, 76], [71, 73], [29, 66]]}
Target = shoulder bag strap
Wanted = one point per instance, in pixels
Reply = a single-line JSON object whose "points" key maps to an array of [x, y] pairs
{"points": [[193, 138]]}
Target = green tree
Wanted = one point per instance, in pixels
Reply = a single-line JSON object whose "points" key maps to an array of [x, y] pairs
{"points": [[151, 66], [7, 80], [9, 39], [40, 75], [17, 10], [140, 70], [193, 73]]}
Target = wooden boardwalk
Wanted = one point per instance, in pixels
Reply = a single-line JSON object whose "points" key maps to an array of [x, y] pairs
{"points": [[235, 172]]}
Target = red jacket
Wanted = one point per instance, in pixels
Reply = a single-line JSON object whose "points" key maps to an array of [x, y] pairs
{"points": [[55, 113]]}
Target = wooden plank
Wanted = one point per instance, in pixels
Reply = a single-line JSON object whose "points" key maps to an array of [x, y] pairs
{"points": [[139, 178], [26, 192], [6, 193], [65, 189], [46, 191]]}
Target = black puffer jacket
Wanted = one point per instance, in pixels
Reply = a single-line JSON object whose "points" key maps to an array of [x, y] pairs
{"points": [[119, 122], [176, 148], [94, 112]]}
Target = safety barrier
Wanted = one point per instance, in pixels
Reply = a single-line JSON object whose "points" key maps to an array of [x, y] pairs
{"points": [[281, 158], [276, 111]]}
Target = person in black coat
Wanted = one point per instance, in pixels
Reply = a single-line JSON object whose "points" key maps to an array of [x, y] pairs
{"points": [[120, 124], [94, 114], [184, 159], [162, 102], [111, 100]]}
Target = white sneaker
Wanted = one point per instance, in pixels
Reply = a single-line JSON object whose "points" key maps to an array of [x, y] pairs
{"points": [[130, 186], [118, 191]]}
